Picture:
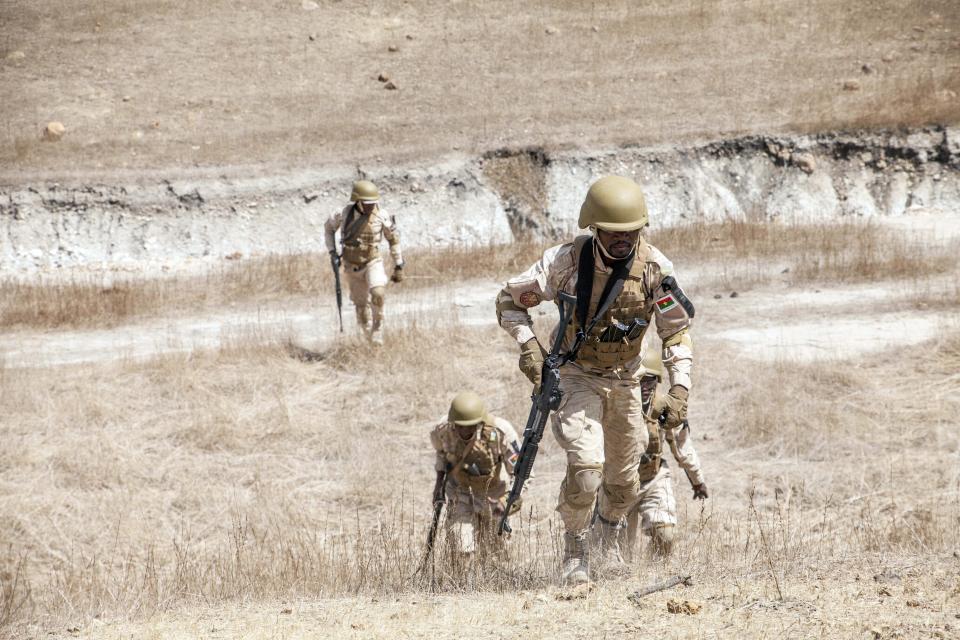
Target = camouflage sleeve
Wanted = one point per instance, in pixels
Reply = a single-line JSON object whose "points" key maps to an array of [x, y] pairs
{"points": [[674, 314], [510, 444], [681, 445], [533, 286], [392, 234], [436, 439], [330, 230]]}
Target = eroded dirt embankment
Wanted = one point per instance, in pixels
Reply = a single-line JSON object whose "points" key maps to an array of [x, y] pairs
{"points": [[174, 222]]}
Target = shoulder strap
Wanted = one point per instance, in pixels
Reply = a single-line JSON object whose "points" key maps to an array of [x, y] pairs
{"points": [[611, 290], [353, 224]]}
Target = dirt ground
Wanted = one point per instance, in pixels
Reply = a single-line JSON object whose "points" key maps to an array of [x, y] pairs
{"points": [[172, 85]]}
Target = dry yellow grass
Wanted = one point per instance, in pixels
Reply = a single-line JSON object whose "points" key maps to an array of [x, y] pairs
{"points": [[253, 476], [734, 253]]}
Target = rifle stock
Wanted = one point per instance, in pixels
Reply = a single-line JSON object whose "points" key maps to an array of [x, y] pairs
{"points": [[544, 400]]}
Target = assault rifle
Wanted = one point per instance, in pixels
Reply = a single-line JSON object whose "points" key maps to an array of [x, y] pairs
{"points": [[545, 399], [439, 497], [335, 263]]}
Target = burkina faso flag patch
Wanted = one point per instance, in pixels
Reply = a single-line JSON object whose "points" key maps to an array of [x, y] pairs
{"points": [[666, 303]]}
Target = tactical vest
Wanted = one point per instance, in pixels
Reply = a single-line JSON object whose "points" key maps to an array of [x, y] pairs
{"points": [[361, 235], [617, 337], [478, 468]]}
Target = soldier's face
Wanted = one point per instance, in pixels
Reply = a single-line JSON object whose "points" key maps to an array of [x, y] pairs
{"points": [[465, 432], [618, 244], [367, 207]]}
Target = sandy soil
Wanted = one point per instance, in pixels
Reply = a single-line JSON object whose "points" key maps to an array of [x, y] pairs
{"points": [[173, 85]]}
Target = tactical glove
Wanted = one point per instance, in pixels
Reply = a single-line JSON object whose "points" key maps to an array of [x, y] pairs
{"points": [[502, 506], [700, 491], [335, 260], [532, 356], [672, 406], [397, 273]]}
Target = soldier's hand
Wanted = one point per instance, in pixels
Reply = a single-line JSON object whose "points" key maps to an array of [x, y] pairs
{"points": [[532, 356], [397, 273], [672, 406], [700, 491], [335, 259], [502, 506]]}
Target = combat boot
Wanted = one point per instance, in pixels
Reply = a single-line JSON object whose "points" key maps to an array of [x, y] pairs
{"points": [[610, 562], [363, 319], [575, 569]]}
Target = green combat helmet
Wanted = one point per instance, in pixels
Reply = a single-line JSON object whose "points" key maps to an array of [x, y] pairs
{"points": [[466, 409], [364, 190], [614, 203]]}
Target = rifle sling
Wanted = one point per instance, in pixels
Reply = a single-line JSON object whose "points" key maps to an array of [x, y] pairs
{"points": [[353, 225], [612, 289]]}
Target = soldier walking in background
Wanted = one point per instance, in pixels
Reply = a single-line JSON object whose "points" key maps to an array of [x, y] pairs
{"points": [[655, 512], [620, 283], [363, 226], [475, 456]]}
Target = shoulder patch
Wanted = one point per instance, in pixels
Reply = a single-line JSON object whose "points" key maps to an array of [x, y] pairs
{"points": [[666, 303], [529, 298]]}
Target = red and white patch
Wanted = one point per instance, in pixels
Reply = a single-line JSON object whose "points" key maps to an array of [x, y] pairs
{"points": [[529, 298]]}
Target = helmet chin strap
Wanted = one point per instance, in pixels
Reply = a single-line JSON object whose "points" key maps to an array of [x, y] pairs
{"points": [[603, 249]]}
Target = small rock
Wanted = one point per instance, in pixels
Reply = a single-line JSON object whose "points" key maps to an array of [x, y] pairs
{"points": [[126, 98], [409, 37], [916, 47], [527, 605], [54, 131], [717, 296], [16, 55], [805, 161], [236, 255], [286, 611], [595, 29], [383, 77], [390, 86], [155, 124], [884, 591], [393, 48], [734, 294], [867, 69], [881, 164], [866, 157], [683, 606], [851, 85], [311, 37], [551, 31], [309, 5], [888, 57], [578, 592], [787, 270]]}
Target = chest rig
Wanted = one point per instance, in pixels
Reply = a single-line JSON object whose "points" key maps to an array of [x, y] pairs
{"points": [[361, 234], [478, 466], [620, 307]]}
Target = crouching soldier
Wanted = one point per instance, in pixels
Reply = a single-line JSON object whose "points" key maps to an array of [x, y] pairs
{"points": [[476, 453], [655, 512]]}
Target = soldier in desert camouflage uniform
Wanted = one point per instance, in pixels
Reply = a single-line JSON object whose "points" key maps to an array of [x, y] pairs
{"points": [[655, 512], [475, 456], [601, 424], [363, 226]]}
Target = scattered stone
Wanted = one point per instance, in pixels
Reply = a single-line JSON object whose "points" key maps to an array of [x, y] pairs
{"points": [[393, 48], [867, 69], [787, 270], [126, 98], [595, 29], [851, 85], [527, 605], [309, 5], [888, 57], [717, 296], [236, 255], [390, 86], [552, 31], [578, 592], [155, 124], [53, 131], [312, 37], [383, 77], [916, 47], [409, 37], [884, 591], [16, 55], [916, 604], [683, 606], [286, 611], [866, 157], [805, 161], [734, 294]]}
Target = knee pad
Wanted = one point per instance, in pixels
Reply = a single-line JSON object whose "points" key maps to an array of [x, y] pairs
{"points": [[621, 496], [377, 295], [661, 539], [581, 484]]}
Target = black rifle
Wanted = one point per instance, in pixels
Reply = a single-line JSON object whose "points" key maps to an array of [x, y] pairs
{"points": [[545, 400], [439, 497], [335, 263]]}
